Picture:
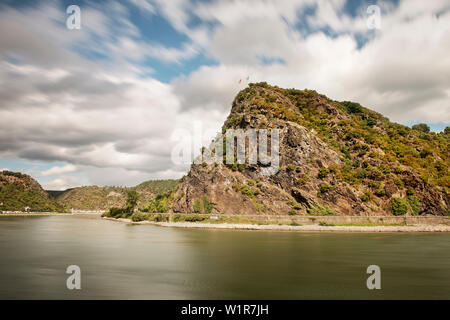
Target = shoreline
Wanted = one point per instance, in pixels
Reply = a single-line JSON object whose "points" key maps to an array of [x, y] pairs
{"points": [[37, 214], [302, 228], [31, 214]]}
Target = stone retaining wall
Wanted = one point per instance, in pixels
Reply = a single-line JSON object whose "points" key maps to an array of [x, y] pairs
{"points": [[307, 220]]}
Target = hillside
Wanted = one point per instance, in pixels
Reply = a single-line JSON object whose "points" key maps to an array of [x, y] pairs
{"points": [[18, 191], [335, 158], [101, 198]]}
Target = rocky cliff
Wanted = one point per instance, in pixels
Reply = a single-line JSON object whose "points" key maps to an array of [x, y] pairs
{"points": [[335, 158]]}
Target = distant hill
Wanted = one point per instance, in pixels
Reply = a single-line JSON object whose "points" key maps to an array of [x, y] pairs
{"points": [[336, 157], [102, 198], [18, 191]]}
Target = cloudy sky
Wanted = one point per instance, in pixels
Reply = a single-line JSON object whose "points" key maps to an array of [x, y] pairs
{"points": [[99, 105]]}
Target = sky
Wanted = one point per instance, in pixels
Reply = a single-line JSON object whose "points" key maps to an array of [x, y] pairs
{"points": [[100, 104]]}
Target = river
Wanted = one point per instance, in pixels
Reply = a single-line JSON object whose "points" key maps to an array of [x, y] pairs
{"points": [[121, 261]]}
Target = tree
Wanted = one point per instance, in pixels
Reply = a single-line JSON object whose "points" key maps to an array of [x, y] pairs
{"points": [[421, 127], [398, 207], [352, 107], [132, 198], [447, 130]]}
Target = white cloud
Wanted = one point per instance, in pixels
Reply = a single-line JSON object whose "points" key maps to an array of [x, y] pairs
{"points": [[58, 170], [108, 119], [144, 5], [402, 70], [64, 182]]}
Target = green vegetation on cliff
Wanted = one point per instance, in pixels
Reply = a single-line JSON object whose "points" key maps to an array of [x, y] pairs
{"points": [[333, 154], [363, 137], [103, 198], [19, 192]]}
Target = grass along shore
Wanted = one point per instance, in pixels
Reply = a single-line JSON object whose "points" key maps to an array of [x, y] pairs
{"points": [[239, 222]]}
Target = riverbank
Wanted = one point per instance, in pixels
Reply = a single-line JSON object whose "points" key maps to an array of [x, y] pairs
{"points": [[36, 214], [304, 228]]}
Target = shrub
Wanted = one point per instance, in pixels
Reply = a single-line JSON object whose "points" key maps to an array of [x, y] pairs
{"points": [[323, 172], [367, 196], [352, 107], [375, 174], [421, 127], [106, 214], [319, 210], [381, 192], [361, 174], [303, 180], [197, 206], [398, 182], [251, 183], [425, 153], [116, 212], [410, 191], [193, 218], [139, 216], [398, 207], [414, 204], [204, 205], [324, 188], [132, 198], [374, 185], [295, 205], [246, 190], [158, 217], [160, 204], [207, 204], [290, 167], [260, 207], [292, 212], [371, 122]]}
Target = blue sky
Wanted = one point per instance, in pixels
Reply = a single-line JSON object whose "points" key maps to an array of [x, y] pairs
{"points": [[99, 105]]}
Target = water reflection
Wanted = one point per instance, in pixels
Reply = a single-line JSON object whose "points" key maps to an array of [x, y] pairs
{"points": [[120, 261]]}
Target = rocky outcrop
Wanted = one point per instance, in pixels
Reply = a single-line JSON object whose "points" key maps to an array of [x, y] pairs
{"points": [[330, 161]]}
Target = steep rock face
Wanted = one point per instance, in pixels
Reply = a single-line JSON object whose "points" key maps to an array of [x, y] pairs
{"points": [[227, 189], [249, 192], [334, 157]]}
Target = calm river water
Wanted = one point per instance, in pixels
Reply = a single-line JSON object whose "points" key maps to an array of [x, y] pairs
{"points": [[120, 261]]}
